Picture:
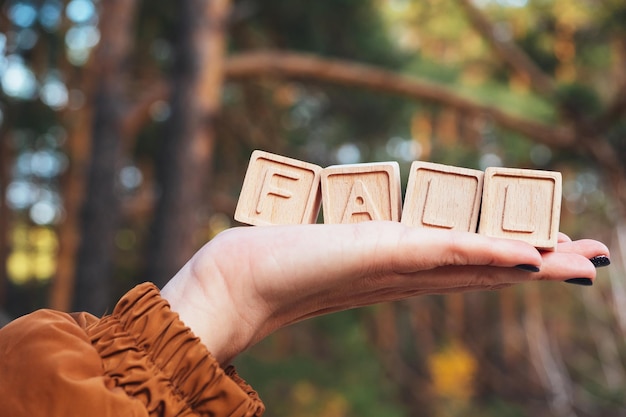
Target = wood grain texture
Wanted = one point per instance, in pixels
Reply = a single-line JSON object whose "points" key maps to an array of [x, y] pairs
{"points": [[279, 190], [442, 197], [522, 204], [361, 192]]}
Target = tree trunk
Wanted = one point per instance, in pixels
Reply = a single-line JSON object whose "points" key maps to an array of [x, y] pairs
{"points": [[73, 185], [187, 153], [4, 215], [101, 208]]}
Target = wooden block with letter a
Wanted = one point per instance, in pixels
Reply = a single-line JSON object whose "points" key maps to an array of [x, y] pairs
{"points": [[442, 197], [361, 192], [279, 190], [522, 204]]}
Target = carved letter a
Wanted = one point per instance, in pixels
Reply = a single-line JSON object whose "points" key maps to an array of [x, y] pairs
{"points": [[360, 205]]}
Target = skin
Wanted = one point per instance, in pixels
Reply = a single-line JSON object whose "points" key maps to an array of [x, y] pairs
{"points": [[249, 282]]}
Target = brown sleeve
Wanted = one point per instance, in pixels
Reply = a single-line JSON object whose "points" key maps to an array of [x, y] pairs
{"points": [[139, 361]]}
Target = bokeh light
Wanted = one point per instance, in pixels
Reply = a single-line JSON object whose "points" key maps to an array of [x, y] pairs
{"points": [[80, 11], [22, 14], [348, 153], [33, 255], [54, 93], [130, 177], [17, 79], [79, 41], [50, 14]]}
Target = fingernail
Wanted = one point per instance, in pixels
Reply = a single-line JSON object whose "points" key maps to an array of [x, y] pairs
{"points": [[527, 267], [587, 282], [600, 261]]}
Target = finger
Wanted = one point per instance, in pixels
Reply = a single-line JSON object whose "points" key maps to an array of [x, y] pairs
{"points": [[466, 277], [556, 266], [561, 266], [586, 247], [563, 238], [395, 295], [453, 248]]}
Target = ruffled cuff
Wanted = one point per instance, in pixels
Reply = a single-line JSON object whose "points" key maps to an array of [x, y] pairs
{"points": [[147, 351]]}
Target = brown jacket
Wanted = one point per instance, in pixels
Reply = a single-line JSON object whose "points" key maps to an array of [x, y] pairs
{"points": [[139, 361]]}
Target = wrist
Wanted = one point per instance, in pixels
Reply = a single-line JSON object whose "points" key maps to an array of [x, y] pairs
{"points": [[204, 306]]}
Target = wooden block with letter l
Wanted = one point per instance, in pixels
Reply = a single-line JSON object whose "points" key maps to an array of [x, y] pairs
{"points": [[442, 197], [361, 192], [279, 190], [522, 204]]}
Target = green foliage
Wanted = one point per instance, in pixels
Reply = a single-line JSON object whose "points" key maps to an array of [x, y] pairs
{"points": [[350, 29], [496, 407], [320, 365], [577, 101], [537, 44], [527, 104], [432, 70], [613, 14]]}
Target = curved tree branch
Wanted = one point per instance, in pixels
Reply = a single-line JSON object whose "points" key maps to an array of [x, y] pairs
{"points": [[312, 67], [305, 66]]}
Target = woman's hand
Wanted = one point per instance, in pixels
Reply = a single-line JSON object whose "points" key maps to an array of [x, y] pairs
{"points": [[248, 282]]}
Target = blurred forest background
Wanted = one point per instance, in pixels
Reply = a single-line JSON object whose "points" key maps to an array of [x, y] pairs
{"points": [[126, 128]]}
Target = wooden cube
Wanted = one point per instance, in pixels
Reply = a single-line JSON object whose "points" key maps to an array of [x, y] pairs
{"points": [[361, 192], [442, 197], [279, 190], [522, 204]]}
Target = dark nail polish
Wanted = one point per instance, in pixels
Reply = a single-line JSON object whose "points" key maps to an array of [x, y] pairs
{"points": [[599, 261], [587, 282], [527, 268]]}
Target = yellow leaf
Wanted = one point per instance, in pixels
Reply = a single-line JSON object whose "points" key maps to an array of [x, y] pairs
{"points": [[453, 370]]}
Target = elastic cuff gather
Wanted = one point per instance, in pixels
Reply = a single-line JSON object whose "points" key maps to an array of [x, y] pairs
{"points": [[152, 355]]}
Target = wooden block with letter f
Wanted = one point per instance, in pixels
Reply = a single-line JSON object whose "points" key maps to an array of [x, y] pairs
{"points": [[522, 204], [442, 197], [361, 192], [279, 190]]}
